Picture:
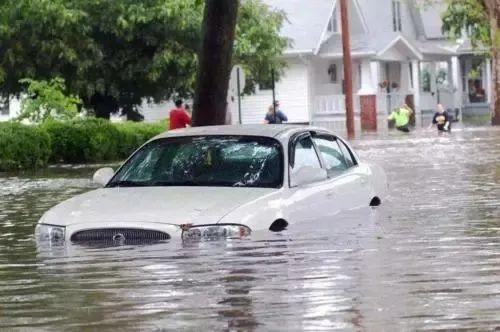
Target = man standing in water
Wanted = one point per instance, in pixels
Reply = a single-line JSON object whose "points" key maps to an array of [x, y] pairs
{"points": [[274, 115], [441, 120], [401, 116]]}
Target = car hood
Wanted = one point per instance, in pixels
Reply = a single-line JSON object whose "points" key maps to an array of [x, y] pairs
{"points": [[170, 205]]}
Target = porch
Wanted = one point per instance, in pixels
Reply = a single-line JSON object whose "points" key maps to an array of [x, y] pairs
{"points": [[460, 84], [388, 83]]}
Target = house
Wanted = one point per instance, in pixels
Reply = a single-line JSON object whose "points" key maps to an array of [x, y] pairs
{"points": [[399, 55]]}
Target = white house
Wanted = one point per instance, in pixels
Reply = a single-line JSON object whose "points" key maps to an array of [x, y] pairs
{"points": [[399, 54]]}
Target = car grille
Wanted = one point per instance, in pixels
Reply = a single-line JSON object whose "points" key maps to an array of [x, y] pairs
{"points": [[119, 234]]}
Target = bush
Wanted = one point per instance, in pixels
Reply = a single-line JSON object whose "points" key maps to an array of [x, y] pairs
{"points": [[103, 139], [77, 141], [68, 142], [23, 147], [97, 140]]}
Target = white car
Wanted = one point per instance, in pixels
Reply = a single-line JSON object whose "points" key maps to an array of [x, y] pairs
{"points": [[220, 181]]}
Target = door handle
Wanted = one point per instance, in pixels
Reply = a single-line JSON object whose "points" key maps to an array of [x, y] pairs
{"points": [[330, 194], [363, 181]]}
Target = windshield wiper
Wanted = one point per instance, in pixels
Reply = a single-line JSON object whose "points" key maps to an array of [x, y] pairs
{"points": [[127, 183]]}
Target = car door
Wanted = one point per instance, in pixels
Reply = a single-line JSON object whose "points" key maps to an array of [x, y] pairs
{"points": [[305, 202], [363, 186], [345, 187]]}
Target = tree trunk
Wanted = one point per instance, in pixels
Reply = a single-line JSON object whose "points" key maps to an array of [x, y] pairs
{"points": [[219, 24], [493, 9], [495, 62]]}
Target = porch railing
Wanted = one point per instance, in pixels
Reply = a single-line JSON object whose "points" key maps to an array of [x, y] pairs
{"points": [[333, 104]]}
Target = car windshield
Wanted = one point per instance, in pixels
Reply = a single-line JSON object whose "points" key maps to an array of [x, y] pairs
{"points": [[225, 161]]}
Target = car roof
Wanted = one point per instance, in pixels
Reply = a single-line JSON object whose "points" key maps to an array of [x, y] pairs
{"points": [[263, 130]]}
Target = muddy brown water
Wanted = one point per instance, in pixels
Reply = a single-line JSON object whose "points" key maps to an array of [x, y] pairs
{"points": [[428, 259]]}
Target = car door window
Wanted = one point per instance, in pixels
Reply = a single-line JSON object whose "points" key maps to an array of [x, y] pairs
{"points": [[305, 154], [348, 156], [331, 153]]}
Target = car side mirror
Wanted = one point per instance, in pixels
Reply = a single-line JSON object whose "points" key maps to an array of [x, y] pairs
{"points": [[307, 174], [103, 175]]}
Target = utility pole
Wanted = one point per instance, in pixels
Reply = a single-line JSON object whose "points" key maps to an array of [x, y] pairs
{"points": [[346, 47], [274, 93]]}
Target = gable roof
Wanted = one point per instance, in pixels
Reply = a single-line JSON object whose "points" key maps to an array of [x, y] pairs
{"points": [[403, 46], [305, 23]]}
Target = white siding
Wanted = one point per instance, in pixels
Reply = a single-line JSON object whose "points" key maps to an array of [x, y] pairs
{"points": [[291, 91]]}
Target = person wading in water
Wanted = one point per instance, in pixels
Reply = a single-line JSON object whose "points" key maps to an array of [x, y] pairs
{"points": [[274, 115], [401, 117]]}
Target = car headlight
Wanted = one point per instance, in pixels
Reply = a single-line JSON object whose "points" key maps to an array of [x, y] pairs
{"points": [[214, 231], [44, 232]]}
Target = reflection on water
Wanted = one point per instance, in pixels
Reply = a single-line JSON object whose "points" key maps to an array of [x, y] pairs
{"points": [[429, 258]]}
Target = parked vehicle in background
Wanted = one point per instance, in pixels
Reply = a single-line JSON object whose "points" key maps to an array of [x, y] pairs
{"points": [[221, 181]]}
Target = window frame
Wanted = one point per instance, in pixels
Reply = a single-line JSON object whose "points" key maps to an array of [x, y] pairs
{"points": [[397, 25], [338, 140], [351, 153], [333, 24], [291, 153]]}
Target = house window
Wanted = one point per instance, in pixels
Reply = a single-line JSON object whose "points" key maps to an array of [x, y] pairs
{"points": [[333, 23], [464, 76], [426, 77], [475, 81], [442, 75], [332, 72], [396, 16]]}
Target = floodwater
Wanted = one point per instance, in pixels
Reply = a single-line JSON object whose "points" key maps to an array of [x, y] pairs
{"points": [[428, 259]]}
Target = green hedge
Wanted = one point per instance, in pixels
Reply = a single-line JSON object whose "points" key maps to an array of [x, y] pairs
{"points": [[134, 134], [23, 147], [79, 141]]}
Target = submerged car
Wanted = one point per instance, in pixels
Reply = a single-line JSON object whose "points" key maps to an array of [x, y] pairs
{"points": [[219, 181]]}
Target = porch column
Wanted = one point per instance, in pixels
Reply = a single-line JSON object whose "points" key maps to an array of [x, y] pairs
{"points": [[456, 83], [375, 72], [368, 97], [416, 86], [488, 89]]}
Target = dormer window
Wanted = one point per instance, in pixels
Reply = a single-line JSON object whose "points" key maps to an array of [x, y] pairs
{"points": [[333, 23], [396, 16]]}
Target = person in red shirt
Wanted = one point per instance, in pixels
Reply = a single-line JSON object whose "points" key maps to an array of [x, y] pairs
{"points": [[178, 116]]}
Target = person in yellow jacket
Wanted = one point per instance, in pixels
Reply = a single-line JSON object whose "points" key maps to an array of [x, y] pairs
{"points": [[401, 117]]}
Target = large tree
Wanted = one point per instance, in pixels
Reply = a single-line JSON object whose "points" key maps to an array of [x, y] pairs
{"points": [[481, 19], [219, 25], [114, 54]]}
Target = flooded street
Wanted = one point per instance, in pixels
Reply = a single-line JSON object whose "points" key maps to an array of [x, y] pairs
{"points": [[429, 258]]}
